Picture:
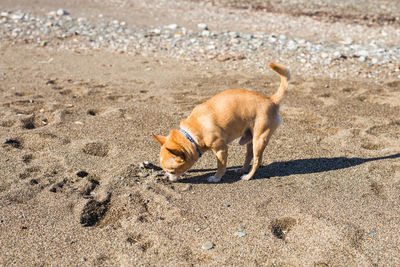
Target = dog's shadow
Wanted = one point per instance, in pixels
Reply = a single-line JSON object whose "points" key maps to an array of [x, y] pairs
{"points": [[285, 168]]}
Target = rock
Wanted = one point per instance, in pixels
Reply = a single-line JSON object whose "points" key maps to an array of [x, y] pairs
{"points": [[272, 39], [62, 12], [226, 205], [205, 33], [347, 41], [337, 54], [173, 27], [324, 55], [362, 53], [240, 234], [202, 26], [207, 245]]}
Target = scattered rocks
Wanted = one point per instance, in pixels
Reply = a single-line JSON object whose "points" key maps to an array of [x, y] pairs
{"points": [[207, 245], [203, 44]]}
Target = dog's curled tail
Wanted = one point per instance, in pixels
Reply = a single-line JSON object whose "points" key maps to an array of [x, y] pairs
{"points": [[284, 73]]}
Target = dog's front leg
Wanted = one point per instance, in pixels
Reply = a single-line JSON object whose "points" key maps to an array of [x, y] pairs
{"points": [[222, 155], [249, 157]]}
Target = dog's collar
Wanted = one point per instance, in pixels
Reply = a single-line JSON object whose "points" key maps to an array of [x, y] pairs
{"points": [[190, 138]]}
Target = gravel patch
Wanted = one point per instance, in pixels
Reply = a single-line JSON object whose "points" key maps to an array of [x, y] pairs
{"points": [[61, 29]]}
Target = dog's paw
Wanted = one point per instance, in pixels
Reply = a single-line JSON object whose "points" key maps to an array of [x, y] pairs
{"points": [[213, 179], [245, 177], [172, 179]]}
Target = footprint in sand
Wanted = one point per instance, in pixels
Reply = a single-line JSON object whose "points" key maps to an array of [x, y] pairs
{"points": [[98, 149], [390, 130]]}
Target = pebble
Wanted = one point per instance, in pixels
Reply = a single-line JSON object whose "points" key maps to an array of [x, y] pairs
{"points": [[347, 41], [207, 245], [62, 12], [173, 27], [240, 234], [202, 26], [226, 205]]}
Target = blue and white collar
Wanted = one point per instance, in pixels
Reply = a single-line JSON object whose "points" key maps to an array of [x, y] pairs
{"points": [[190, 138]]}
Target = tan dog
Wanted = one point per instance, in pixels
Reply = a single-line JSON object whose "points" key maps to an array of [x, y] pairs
{"points": [[220, 120]]}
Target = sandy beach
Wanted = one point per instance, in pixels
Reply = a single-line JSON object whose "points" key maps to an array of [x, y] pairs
{"points": [[80, 182]]}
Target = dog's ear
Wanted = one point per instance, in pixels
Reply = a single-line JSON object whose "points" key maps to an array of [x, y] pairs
{"points": [[177, 153], [160, 139]]}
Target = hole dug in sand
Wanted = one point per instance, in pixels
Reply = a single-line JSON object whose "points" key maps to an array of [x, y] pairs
{"points": [[281, 227], [94, 211], [92, 112]]}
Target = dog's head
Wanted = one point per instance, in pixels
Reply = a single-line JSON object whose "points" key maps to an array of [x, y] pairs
{"points": [[176, 155]]}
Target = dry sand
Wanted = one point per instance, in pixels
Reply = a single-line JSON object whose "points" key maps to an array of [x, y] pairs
{"points": [[76, 125]]}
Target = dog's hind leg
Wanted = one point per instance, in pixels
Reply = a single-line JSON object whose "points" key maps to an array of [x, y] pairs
{"points": [[259, 144]]}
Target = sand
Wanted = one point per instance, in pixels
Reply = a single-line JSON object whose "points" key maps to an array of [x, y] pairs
{"points": [[75, 129]]}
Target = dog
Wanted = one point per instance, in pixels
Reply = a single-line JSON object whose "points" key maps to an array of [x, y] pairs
{"points": [[215, 123]]}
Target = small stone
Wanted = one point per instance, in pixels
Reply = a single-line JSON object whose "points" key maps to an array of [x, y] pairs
{"points": [[207, 245], [337, 54], [240, 234], [362, 53], [226, 205], [156, 31], [362, 59], [272, 39], [62, 12], [347, 41], [202, 26], [205, 33], [173, 27]]}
